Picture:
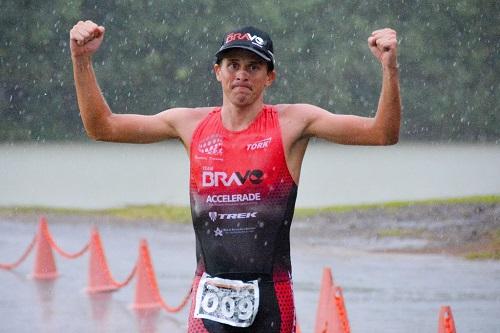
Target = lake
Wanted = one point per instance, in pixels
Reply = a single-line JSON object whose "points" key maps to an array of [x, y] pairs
{"points": [[101, 175]]}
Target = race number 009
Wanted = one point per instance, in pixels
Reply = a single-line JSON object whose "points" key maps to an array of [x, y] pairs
{"points": [[228, 305]]}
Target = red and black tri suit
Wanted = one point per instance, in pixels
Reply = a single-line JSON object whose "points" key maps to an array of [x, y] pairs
{"points": [[242, 203]]}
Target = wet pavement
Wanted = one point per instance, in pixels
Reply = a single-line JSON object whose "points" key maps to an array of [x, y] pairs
{"points": [[383, 292]]}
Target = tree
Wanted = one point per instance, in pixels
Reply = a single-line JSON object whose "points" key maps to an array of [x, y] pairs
{"points": [[159, 54]]}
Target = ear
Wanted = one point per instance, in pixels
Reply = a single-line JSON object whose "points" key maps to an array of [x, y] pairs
{"points": [[271, 76], [217, 69]]}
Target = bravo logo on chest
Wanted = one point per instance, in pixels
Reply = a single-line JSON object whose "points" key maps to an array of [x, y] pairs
{"points": [[221, 178]]}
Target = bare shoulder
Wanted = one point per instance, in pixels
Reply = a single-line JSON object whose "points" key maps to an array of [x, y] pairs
{"points": [[185, 120], [301, 111], [180, 117], [298, 117]]}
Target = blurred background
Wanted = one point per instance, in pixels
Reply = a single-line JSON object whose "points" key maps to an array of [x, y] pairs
{"points": [[159, 54]]}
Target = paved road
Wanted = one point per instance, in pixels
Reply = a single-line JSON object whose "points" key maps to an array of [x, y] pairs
{"points": [[383, 292]]}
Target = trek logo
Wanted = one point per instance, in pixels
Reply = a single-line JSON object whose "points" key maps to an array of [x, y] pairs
{"points": [[231, 216], [218, 178], [213, 216], [259, 144], [240, 36]]}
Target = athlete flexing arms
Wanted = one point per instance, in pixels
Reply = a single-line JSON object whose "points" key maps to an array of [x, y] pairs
{"points": [[245, 161]]}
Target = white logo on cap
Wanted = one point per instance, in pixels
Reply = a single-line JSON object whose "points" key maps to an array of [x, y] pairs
{"points": [[256, 40]]}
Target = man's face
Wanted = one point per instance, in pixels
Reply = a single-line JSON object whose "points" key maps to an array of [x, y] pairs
{"points": [[243, 76]]}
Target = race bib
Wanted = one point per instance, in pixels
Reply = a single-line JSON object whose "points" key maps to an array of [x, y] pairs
{"points": [[231, 302]]}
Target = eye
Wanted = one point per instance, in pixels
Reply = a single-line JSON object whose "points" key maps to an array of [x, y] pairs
{"points": [[233, 65]]}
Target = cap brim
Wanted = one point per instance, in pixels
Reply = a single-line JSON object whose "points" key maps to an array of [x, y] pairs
{"points": [[245, 47]]}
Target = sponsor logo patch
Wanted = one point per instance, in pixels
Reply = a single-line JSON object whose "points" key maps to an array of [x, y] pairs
{"points": [[213, 216], [231, 216], [211, 145], [262, 144], [232, 198], [221, 178], [256, 40]]}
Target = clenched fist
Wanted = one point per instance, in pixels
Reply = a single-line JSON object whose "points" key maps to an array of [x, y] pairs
{"points": [[85, 38], [383, 44]]}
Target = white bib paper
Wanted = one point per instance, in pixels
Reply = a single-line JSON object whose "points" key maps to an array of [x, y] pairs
{"points": [[231, 302]]}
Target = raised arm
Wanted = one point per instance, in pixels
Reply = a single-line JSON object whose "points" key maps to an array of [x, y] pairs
{"points": [[99, 121], [383, 129]]}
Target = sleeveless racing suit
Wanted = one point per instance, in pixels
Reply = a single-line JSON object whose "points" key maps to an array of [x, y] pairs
{"points": [[242, 203]]}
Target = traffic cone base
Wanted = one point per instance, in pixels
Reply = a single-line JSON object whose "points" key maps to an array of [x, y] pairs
{"points": [[145, 306], [102, 289]]}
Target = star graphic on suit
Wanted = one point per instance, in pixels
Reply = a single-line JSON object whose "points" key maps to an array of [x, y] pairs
{"points": [[218, 232]]}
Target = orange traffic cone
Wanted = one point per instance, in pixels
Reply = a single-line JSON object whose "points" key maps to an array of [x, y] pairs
{"points": [[446, 322], [337, 321], [324, 296], [45, 265], [147, 294], [100, 278]]}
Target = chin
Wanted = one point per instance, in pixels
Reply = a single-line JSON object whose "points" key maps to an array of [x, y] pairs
{"points": [[242, 101]]}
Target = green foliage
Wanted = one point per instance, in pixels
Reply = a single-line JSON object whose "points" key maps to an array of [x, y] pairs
{"points": [[152, 212], [492, 251], [395, 205], [159, 54], [183, 214]]}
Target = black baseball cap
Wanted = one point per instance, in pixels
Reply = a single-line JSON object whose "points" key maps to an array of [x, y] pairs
{"points": [[251, 39]]}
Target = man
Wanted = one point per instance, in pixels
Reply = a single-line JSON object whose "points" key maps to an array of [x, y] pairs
{"points": [[245, 160]]}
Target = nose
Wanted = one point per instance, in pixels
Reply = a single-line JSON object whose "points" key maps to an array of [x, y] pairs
{"points": [[242, 75]]}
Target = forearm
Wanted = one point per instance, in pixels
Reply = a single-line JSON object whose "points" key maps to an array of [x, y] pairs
{"points": [[388, 117], [93, 107]]}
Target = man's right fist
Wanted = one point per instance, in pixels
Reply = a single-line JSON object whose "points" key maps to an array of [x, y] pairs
{"points": [[85, 38]]}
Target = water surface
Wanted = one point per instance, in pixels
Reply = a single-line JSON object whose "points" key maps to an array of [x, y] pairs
{"points": [[101, 175], [383, 292]]}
